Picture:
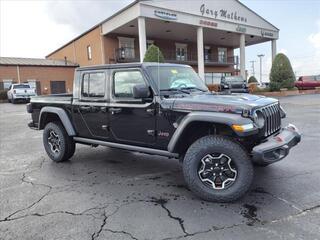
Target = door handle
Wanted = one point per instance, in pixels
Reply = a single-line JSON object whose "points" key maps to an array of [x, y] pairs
{"points": [[115, 110]]}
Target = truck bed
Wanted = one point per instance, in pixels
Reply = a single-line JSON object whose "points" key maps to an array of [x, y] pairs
{"points": [[53, 99]]}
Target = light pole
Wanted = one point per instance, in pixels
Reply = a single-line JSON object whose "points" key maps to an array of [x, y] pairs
{"points": [[261, 56], [252, 65]]}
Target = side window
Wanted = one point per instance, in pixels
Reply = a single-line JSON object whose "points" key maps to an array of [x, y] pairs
{"points": [[123, 83], [93, 85]]}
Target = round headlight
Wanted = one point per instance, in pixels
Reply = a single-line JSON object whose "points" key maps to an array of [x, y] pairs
{"points": [[258, 119]]}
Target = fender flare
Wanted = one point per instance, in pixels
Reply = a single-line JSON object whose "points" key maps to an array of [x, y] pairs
{"points": [[64, 118], [210, 117]]}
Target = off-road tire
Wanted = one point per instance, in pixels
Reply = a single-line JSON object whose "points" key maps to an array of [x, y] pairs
{"points": [[223, 145], [67, 145]]}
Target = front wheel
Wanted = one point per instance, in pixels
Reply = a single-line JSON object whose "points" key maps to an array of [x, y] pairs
{"points": [[58, 145], [217, 169]]}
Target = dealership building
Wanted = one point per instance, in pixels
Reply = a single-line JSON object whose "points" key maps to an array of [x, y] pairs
{"points": [[203, 34], [200, 33]]}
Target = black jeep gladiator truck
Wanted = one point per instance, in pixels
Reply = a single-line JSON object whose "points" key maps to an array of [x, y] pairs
{"points": [[166, 109]]}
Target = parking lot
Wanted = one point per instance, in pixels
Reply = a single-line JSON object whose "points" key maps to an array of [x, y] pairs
{"points": [[105, 193]]}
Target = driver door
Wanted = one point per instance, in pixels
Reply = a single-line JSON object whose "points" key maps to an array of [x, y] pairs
{"points": [[132, 121]]}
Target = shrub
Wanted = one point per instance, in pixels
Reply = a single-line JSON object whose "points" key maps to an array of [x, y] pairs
{"points": [[153, 54], [281, 75], [3, 95], [252, 79]]}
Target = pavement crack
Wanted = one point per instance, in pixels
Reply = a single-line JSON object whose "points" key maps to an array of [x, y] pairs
{"points": [[262, 191], [122, 232], [162, 202], [8, 218]]}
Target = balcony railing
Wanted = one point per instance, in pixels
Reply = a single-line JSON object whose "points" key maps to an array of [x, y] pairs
{"points": [[124, 55]]}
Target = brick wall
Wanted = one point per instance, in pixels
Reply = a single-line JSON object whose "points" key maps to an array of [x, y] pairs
{"points": [[76, 51], [41, 74]]}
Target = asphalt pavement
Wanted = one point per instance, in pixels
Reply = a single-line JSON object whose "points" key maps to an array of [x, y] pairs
{"points": [[104, 193]]}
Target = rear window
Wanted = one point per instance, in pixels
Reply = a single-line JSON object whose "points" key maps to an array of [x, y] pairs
{"points": [[21, 86]]}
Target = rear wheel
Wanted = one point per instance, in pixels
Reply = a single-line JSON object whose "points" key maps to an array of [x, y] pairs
{"points": [[58, 145], [217, 169]]}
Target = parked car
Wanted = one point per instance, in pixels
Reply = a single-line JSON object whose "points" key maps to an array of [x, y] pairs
{"points": [[20, 92], [234, 84], [165, 109], [308, 82]]}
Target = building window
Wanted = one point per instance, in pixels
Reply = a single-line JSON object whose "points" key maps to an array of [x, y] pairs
{"points": [[126, 48], [89, 52], [181, 52], [149, 43], [124, 82], [32, 83], [93, 85], [7, 83], [222, 55], [215, 78], [207, 53]]}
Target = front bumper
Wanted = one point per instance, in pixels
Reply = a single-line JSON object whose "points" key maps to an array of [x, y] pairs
{"points": [[276, 147]]}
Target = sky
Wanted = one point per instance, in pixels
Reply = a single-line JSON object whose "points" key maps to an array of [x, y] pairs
{"points": [[36, 28]]}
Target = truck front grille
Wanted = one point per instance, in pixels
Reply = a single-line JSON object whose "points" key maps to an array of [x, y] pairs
{"points": [[272, 118]]}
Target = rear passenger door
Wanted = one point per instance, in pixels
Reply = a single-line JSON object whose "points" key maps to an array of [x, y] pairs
{"points": [[90, 110]]}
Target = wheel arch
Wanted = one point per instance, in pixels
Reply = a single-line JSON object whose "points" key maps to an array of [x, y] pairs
{"points": [[50, 114], [198, 124]]}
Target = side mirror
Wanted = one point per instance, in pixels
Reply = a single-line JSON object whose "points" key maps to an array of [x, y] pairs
{"points": [[141, 91]]}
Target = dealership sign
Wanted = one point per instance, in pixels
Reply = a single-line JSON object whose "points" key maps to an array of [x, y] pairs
{"points": [[223, 14], [208, 23], [266, 34], [241, 29], [165, 15]]}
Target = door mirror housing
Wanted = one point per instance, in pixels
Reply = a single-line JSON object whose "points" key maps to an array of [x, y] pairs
{"points": [[141, 91]]}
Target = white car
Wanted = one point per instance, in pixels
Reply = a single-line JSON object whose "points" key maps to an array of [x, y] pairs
{"points": [[21, 91]]}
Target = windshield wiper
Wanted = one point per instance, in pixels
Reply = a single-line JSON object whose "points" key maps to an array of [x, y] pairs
{"points": [[193, 88], [175, 90]]}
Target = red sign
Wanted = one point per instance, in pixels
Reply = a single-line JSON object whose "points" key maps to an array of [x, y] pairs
{"points": [[208, 23]]}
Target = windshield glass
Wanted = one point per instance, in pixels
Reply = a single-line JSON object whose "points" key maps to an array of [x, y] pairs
{"points": [[21, 86], [175, 77]]}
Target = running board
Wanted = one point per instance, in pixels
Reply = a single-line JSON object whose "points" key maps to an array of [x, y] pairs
{"points": [[126, 147]]}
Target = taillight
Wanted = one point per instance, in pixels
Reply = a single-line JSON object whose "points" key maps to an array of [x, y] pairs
{"points": [[14, 91]]}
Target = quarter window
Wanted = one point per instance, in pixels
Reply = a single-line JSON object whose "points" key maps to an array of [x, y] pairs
{"points": [[124, 83], [93, 85]]}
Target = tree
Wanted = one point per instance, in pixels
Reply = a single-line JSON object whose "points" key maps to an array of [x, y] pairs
{"points": [[153, 54], [281, 75], [252, 79]]}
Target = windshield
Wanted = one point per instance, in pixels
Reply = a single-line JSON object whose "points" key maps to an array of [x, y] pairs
{"points": [[176, 78], [21, 86]]}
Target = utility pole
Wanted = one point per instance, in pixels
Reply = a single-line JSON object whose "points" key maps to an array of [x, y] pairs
{"points": [[261, 56], [252, 66]]}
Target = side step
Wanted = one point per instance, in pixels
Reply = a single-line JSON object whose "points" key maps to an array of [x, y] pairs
{"points": [[126, 147]]}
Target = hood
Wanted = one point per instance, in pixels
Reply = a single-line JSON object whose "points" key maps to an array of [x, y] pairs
{"points": [[215, 102]]}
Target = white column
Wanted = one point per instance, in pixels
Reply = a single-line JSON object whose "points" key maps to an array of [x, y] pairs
{"points": [[200, 52], [243, 55], [142, 37], [273, 49]]}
